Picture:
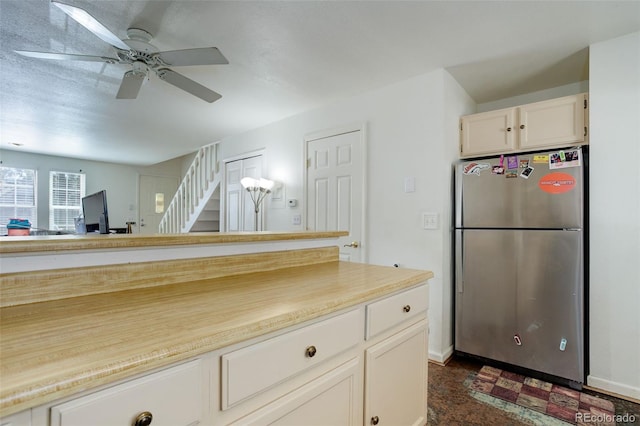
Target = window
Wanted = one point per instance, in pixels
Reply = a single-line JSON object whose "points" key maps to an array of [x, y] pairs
{"points": [[17, 196], [65, 199]]}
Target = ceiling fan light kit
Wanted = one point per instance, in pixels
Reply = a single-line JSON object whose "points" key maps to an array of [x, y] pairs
{"points": [[141, 56]]}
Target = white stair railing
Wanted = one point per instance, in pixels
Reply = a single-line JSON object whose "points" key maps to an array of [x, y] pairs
{"points": [[193, 193]]}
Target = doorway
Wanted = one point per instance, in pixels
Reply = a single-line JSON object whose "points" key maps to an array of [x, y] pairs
{"points": [[336, 187], [239, 212], [155, 194]]}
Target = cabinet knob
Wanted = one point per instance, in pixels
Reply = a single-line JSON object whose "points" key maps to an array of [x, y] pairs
{"points": [[522, 126], [311, 351], [143, 419], [406, 308], [508, 129], [375, 420]]}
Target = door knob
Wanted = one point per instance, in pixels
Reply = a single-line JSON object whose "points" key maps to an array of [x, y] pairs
{"points": [[353, 244]]}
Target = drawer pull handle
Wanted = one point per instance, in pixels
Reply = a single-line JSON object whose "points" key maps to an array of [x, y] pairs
{"points": [[143, 419], [311, 351], [406, 308], [375, 420]]}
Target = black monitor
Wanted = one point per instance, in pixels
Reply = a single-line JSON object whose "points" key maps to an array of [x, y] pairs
{"points": [[94, 208]]}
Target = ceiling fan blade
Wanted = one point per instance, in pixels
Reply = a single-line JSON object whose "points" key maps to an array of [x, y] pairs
{"points": [[199, 56], [131, 84], [66, 56], [82, 17], [188, 85]]}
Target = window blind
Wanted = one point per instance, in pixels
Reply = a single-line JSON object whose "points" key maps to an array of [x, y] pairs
{"points": [[18, 197], [65, 199]]}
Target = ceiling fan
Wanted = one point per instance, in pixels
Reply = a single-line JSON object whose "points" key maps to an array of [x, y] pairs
{"points": [[141, 56]]}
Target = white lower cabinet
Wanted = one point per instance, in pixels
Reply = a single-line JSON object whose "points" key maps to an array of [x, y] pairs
{"points": [[365, 366], [332, 399], [396, 378]]}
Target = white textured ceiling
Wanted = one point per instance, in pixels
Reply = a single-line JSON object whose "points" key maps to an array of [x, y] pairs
{"points": [[285, 57]]}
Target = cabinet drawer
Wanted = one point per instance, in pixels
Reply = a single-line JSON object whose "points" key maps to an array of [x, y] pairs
{"points": [[255, 368], [173, 397], [393, 310]]}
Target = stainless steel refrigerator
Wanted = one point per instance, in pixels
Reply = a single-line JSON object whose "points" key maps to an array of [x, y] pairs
{"points": [[519, 261]]}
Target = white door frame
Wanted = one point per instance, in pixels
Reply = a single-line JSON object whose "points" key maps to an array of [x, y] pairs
{"points": [[335, 131], [223, 181]]}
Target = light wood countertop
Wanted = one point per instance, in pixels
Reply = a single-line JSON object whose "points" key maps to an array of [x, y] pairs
{"points": [[54, 349], [57, 243]]}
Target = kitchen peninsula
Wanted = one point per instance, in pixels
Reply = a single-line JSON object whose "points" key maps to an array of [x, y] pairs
{"points": [[215, 328]]}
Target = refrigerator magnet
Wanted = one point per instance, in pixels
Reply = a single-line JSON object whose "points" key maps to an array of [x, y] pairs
{"points": [[526, 172], [512, 174], [497, 170], [541, 159], [524, 163], [475, 168], [512, 162], [563, 160]]}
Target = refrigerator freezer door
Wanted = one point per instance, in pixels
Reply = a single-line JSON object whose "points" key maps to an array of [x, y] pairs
{"points": [[485, 308], [519, 298], [546, 199]]}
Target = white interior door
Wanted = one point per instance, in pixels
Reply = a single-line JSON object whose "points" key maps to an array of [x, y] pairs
{"points": [[336, 188], [239, 209], [155, 194]]}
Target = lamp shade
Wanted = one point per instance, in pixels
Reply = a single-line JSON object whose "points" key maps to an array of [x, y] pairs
{"points": [[248, 182], [266, 184]]}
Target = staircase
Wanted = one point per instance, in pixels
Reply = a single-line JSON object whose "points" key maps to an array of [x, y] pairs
{"points": [[196, 205]]}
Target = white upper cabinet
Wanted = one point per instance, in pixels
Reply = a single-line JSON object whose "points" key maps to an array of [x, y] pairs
{"points": [[547, 124], [488, 133]]}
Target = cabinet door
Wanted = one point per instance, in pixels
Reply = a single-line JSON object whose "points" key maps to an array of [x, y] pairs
{"points": [[556, 122], [332, 399], [396, 379], [487, 133]]}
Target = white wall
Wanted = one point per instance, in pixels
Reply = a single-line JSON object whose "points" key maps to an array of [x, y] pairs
{"points": [[411, 131], [120, 181], [541, 95], [615, 215]]}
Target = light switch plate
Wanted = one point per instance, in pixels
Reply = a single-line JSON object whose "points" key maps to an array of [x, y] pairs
{"points": [[430, 220], [409, 184]]}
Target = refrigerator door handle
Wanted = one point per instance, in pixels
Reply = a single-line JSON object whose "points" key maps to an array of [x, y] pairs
{"points": [[460, 261], [458, 196]]}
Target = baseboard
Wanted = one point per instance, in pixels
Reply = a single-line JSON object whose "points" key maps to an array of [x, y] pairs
{"points": [[441, 358], [619, 390]]}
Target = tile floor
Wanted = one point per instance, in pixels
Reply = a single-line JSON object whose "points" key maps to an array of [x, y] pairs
{"points": [[450, 402]]}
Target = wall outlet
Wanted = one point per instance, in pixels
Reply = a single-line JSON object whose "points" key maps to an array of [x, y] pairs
{"points": [[430, 220], [297, 219]]}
